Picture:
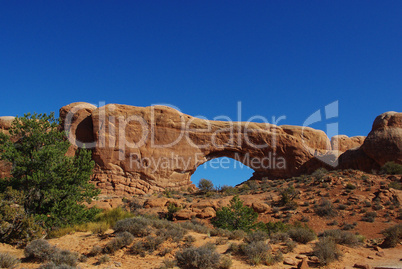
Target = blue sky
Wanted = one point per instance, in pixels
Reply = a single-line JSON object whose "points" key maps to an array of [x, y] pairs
{"points": [[278, 58]]}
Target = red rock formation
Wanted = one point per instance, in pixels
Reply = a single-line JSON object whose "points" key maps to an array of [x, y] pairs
{"points": [[343, 143], [140, 150], [384, 142], [146, 149]]}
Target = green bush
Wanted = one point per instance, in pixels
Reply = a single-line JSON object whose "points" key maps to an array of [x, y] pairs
{"points": [[54, 185], [326, 250], [275, 227], [236, 216], [112, 216], [393, 235], [391, 168], [204, 257], [205, 185], [302, 235], [8, 260]]}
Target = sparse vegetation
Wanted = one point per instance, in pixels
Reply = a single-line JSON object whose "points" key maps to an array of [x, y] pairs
{"points": [[325, 209], [205, 185], [393, 236], [8, 260], [236, 216], [391, 168], [326, 250], [204, 257], [302, 234]]}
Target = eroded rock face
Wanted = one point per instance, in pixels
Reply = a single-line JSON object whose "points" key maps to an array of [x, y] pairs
{"points": [[343, 143], [145, 149], [141, 150], [384, 142]]}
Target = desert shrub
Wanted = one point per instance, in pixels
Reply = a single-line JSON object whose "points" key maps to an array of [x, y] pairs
{"points": [[168, 264], [229, 190], [287, 196], [236, 216], [237, 234], [348, 226], [39, 250], [369, 216], [302, 234], [326, 250], [256, 236], [64, 257], [220, 241], [172, 209], [279, 237], [16, 226], [103, 259], [393, 236], [138, 248], [391, 168], [350, 186], [189, 240], [174, 233], [253, 185], [205, 185], [122, 240], [325, 209], [220, 232], [274, 227], [320, 173], [341, 237], [195, 225], [152, 243], [198, 258], [138, 226], [225, 262], [233, 248], [290, 245], [8, 260], [112, 216], [95, 251], [256, 252]]}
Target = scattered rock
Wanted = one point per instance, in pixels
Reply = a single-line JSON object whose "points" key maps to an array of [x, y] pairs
{"points": [[289, 261], [380, 254], [303, 264], [362, 266]]}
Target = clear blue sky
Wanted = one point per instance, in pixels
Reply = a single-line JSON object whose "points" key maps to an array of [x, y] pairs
{"points": [[276, 57]]}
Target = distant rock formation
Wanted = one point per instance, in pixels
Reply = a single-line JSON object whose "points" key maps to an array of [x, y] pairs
{"points": [[141, 150]]}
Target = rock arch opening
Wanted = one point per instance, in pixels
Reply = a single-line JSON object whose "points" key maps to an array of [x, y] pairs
{"points": [[222, 171]]}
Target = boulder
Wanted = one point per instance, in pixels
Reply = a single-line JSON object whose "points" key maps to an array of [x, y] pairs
{"points": [[384, 142]]}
